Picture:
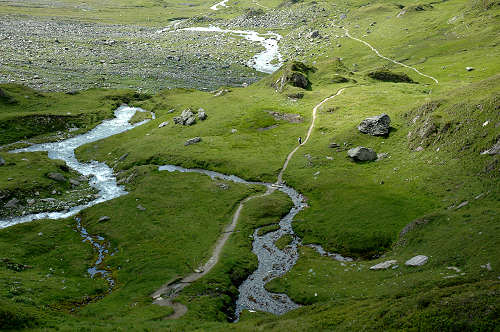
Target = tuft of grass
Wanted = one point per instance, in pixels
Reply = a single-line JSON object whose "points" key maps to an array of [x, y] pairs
{"points": [[284, 241]]}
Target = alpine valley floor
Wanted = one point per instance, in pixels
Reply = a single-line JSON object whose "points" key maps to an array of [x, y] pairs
{"points": [[182, 200]]}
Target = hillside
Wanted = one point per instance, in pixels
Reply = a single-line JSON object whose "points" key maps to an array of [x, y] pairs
{"points": [[112, 114]]}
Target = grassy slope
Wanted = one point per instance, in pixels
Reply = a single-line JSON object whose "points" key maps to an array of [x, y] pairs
{"points": [[26, 113], [170, 238], [140, 12], [350, 210], [250, 152]]}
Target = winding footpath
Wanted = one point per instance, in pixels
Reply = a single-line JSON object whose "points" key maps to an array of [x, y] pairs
{"points": [[386, 58], [309, 132], [273, 262]]}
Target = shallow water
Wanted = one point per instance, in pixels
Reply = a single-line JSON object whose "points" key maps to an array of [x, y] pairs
{"points": [[102, 175], [273, 262], [100, 245], [268, 61], [319, 249]]}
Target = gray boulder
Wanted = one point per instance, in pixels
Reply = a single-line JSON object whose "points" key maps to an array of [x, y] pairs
{"points": [[361, 153], [381, 156], [202, 115], [417, 260], [163, 124], [2, 161], [190, 121], [376, 125], [123, 157], [193, 140], [384, 265], [56, 177], [187, 116]]}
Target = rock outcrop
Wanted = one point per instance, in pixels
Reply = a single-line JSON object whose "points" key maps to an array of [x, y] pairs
{"points": [[188, 117], [385, 75], [378, 125], [294, 74], [361, 153], [12, 203]]}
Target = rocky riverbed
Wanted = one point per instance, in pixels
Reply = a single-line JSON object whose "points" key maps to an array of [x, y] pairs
{"points": [[61, 55]]}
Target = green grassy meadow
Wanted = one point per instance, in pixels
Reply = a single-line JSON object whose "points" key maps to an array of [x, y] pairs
{"points": [[433, 165]]}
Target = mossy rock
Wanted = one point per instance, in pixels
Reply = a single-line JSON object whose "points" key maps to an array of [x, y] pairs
{"points": [[295, 74]]}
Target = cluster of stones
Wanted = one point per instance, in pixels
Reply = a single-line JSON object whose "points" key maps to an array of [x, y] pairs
{"points": [[188, 117], [376, 126], [418, 260]]}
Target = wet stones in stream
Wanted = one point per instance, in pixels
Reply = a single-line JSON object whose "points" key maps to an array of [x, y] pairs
{"points": [[273, 262]]}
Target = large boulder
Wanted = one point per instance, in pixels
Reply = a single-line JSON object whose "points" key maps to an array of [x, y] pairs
{"points": [[202, 115], [376, 125], [190, 121], [103, 219], [187, 116], [2, 161], [74, 182], [361, 153]]}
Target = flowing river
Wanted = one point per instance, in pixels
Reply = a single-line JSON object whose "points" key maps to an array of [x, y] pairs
{"points": [[102, 175], [273, 262], [267, 61]]}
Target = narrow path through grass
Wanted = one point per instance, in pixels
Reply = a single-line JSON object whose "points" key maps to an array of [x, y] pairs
{"points": [[386, 58], [174, 287]]}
